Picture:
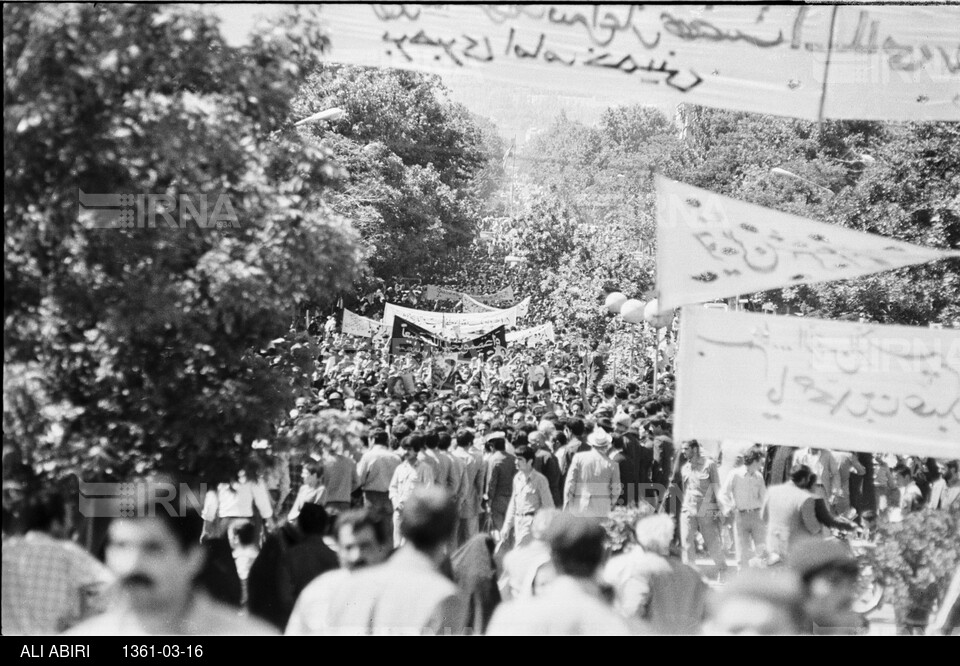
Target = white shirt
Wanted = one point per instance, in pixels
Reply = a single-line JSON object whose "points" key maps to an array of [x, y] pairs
{"points": [[236, 501]]}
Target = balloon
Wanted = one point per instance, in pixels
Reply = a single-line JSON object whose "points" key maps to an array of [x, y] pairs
{"points": [[632, 311], [654, 317], [615, 301]]}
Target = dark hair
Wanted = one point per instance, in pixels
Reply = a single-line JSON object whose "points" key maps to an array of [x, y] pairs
{"points": [[379, 436], [428, 517], [576, 545], [525, 452], [312, 519], [443, 440], [464, 438], [42, 510], [498, 444], [751, 457], [245, 532], [609, 390], [903, 470], [800, 474], [314, 468], [413, 441], [622, 394], [376, 520], [521, 438], [576, 426]]}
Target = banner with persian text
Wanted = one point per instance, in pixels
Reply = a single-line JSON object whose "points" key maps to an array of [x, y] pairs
{"points": [[407, 337], [890, 62], [456, 324], [537, 335], [827, 384], [711, 246], [354, 324], [471, 304]]}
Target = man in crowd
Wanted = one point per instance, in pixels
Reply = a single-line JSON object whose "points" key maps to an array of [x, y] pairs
{"points": [[49, 583], [700, 510], [531, 493], [472, 484], [789, 512], [409, 475], [945, 491], [824, 465], [911, 498], [375, 471], [501, 467], [311, 491], [574, 603], [545, 462], [593, 480], [573, 429], [655, 587], [156, 556], [828, 576], [744, 494], [365, 538], [407, 594]]}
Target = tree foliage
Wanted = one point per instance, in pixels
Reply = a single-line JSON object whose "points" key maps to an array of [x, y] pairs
{"points": [[418, 164], [140, 348]]}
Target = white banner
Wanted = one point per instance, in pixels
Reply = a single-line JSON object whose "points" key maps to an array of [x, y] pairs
{"points": [[505, 295], [470, 304], [533, 336], [354, 324], [825, 384], [885, 62], [456, 325], [711, 246]]}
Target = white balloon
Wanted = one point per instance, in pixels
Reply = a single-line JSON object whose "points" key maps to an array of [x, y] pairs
{"points": [[615, 301], [632, 311], [654, 317]]}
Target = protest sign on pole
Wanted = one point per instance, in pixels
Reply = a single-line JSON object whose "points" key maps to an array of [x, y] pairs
{"points": [[711, 246], [469, 324], [849, 62], [826, 384]]}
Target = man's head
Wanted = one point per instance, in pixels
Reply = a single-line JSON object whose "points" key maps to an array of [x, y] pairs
{"points": [[655, 533], [903, 475], [525, 456], [45, 512], [410, 446], [365, 538], [155, 555], [691, 450], [803, 477], [828, 577], [948, 470], [757, 602], [576, 545], [752, 460], [428, 518], [311, 474]]}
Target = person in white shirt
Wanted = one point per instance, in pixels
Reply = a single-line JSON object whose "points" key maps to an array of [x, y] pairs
{"points": [[409, 475], [375, 471], [233, 501], [312, 491], [743, 494]]}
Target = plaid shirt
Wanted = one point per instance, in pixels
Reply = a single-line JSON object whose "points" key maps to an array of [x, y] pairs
{"points": [[44, 583]]}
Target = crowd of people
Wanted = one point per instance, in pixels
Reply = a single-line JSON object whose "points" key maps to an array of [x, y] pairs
{"points": [[494, 504]]}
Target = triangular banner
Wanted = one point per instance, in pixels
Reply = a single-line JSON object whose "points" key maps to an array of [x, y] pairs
{"points": [[711, 246]]}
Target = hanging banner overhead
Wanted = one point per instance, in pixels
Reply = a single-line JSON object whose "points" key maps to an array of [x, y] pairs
{"points": [[354, 324], [533, 336], [501, 297], [408, 337], [470, 304], [849, 62], [826, 384], [457, 325], [710, 246]]}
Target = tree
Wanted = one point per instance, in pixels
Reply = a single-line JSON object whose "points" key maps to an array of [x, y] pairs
{"points": [[140, 348], [413, 158]]}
